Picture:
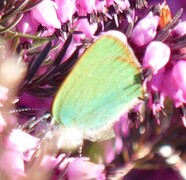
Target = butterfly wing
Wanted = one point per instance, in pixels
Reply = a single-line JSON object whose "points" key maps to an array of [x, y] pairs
{"points": [[104, 84]]}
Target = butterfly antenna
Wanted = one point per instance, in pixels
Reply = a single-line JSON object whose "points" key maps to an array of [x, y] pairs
{"points": [[25, 110]]}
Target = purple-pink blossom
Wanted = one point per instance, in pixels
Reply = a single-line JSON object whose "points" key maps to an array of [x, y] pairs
{"points": [[82, 168], [155, 86], [156, 56], [45, 14], [177, 78], [14, 148], [145, 30], [27, 25], [65, 9], [180, 29], [86, 6]]}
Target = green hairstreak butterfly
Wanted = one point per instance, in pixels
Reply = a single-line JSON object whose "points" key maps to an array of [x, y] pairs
{"points": [[104, 83]]}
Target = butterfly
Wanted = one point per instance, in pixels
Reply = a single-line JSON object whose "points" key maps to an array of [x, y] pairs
{"points": [[104, 83]]}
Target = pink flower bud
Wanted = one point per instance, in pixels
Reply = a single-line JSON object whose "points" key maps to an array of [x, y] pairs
{"points": [[82, 168], [155, 83], [65, 10], [145, 30], [84, 26], [157, 54], [12, 165], [21, 141], [121, 127], [179, 77], [155, 87], [45, 14], [170, 88], [86, 6], [27, 25], [180, 29]]}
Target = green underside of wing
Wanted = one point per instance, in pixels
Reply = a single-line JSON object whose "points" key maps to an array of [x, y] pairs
{"points": [[103, 84]]}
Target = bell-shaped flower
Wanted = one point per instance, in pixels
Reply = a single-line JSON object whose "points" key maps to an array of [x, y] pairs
{"points": [[21, 142], [86, 6], [170, 89], [180, 29], [15, 148], [179, 78], [155, 88], [65, 10], [82, 168], [45, 14], [11, 165], [27, 25], [145, 30], [84, 26], [156, 56]]}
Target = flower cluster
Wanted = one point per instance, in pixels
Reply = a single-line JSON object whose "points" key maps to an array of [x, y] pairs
{"points": [[41, 41], [68, 15]]}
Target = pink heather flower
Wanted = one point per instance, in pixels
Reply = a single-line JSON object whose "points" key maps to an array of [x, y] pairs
{"points": [[177, 79], [122, 126], [18, 140], [11, 165], [43, 166], [112, 149], [48, 163], [84, 26], [65, 10], [21, 142], [179, 75], [85, 6], [180, 29], [157, 54], [47, 32], [45, 14], [109, 152], [170, 89], [77, 39], [155, 86], [155, 83], [145, 30], [27, 25], [82, 168], [12, 154]]}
